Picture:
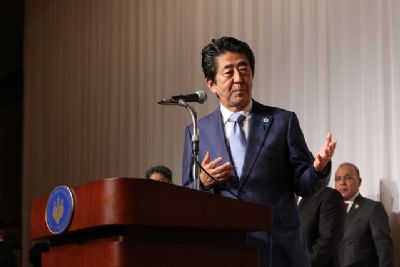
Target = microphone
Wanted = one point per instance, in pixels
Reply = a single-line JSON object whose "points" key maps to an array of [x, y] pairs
{"points": [[199, 97]]}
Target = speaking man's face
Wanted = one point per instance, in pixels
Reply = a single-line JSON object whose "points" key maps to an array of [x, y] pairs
{"points": [[233, 81]]}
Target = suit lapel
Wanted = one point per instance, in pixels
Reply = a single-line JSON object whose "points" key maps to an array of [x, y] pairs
{"points": [[217, 144], [302, 202], [259, 127], [216, 133]]}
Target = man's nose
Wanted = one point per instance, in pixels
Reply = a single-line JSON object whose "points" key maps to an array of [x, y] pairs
{"points": [[237, 77]]}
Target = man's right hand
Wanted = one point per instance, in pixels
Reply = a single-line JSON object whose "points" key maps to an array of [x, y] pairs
{"points": [[219, 173]]}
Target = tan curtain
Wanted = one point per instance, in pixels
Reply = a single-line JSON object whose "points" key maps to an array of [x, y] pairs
{"points": [[94, 70]]}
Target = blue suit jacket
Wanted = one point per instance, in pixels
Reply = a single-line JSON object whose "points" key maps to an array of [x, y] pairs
{"points": [[277, 165]]}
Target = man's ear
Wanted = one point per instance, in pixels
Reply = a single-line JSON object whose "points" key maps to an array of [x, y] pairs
{"points": [[211, 86]]}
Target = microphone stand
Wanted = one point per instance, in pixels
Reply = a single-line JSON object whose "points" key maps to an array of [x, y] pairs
{"points": [[195, 138]]}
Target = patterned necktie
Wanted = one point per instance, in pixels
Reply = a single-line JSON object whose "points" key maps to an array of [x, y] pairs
{"points": [[237, 142]]}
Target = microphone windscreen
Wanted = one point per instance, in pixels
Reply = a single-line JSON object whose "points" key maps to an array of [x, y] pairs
{"points": [[202, 96]]}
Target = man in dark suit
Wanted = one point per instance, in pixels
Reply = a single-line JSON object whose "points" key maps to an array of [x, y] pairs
{"points": [[366, 240], [255, 153], [323, 215]]}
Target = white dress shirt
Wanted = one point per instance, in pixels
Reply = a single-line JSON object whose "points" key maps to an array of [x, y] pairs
{"points": [[350, 202]]}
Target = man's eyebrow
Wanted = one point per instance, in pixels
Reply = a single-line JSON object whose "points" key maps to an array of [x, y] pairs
{"points": [[241, 63], [228, 66]]}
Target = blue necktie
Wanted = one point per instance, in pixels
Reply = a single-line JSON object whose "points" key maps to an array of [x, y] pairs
{"points": [[237, 142]]}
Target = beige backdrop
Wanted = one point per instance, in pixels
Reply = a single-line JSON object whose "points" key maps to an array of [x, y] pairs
{"points": [[94, 70]]}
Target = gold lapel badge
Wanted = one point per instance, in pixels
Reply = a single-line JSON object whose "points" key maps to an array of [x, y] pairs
{"points": [[356, 206]]}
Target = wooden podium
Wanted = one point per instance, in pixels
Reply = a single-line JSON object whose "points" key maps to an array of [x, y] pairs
{"points": [[126, 222]]}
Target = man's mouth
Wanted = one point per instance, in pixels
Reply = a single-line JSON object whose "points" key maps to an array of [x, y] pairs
{"points": [[240, 90], [342, 190]]}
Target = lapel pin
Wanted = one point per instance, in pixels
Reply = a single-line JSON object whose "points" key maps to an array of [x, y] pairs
{"points": [[265, 120], [356, 206]]}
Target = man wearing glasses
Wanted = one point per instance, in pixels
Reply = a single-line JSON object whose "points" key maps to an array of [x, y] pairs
{"points": [[366, 239]]}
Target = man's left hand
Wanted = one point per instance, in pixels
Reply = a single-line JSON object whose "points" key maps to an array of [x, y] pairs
{"points": [[325, 153]]}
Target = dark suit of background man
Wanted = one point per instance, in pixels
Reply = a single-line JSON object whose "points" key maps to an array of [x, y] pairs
{"points": [[323, 216], [276, 161], [7, 257], [366, 240]]}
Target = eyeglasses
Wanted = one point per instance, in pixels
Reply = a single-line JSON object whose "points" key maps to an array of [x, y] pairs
{"points": [[346, 178]]}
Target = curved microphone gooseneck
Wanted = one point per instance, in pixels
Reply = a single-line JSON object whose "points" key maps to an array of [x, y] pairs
{"points": [[180, 100]]}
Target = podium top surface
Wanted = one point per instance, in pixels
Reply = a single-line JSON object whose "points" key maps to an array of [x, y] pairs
{"points": [[144, 202]]}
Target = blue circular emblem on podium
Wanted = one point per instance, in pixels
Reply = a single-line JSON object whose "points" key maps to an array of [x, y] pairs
{"points": [[59, 209]]}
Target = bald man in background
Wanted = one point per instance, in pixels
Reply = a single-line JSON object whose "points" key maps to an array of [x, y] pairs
{"points": [[366, 239]]}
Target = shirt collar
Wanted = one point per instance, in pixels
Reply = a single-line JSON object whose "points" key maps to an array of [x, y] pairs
{"points": [[226, 113], [351, 200]]}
